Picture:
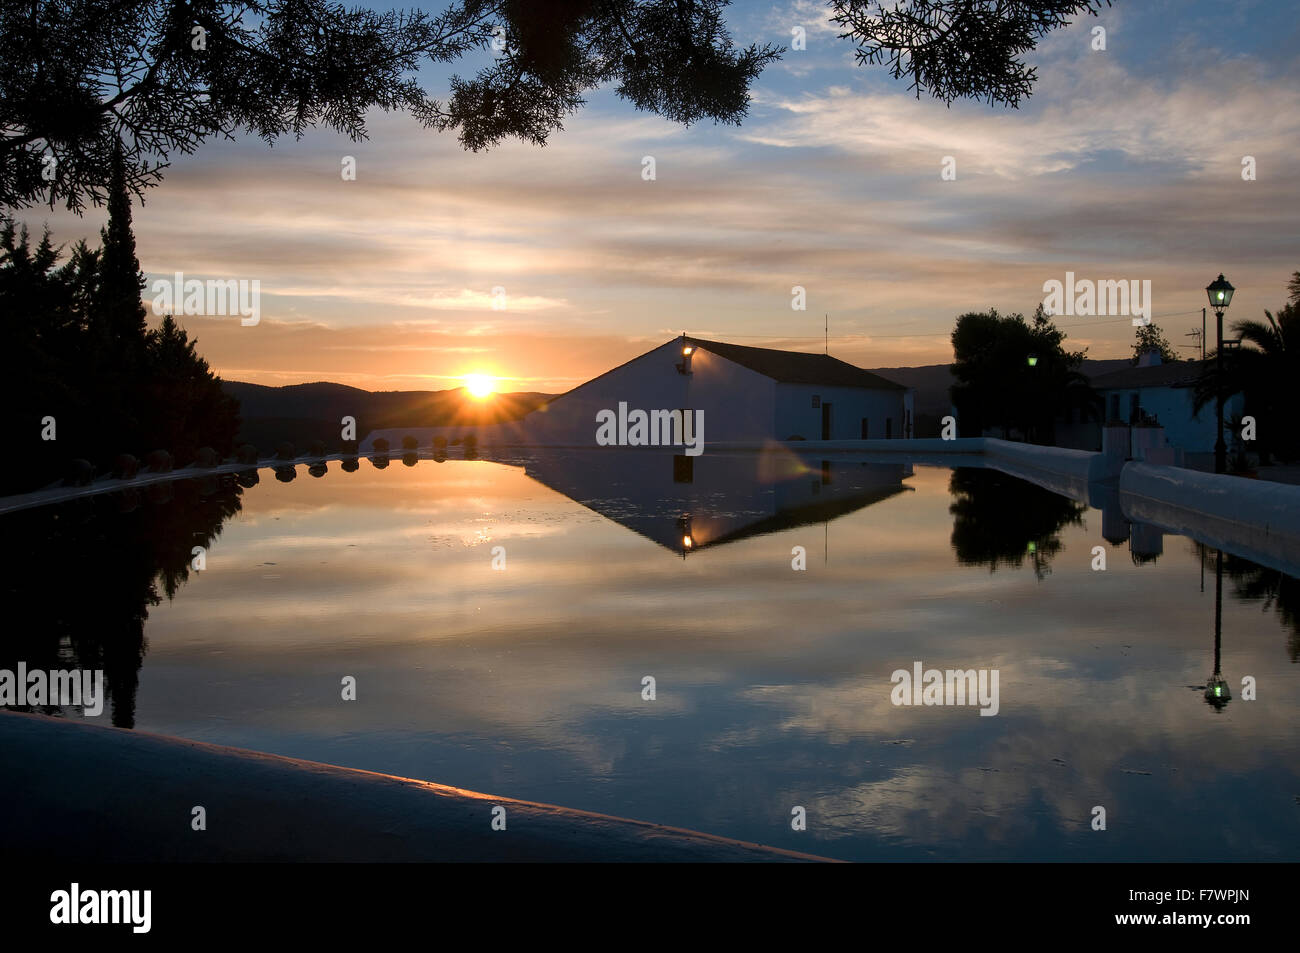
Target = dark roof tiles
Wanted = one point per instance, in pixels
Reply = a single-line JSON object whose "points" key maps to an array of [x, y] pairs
{"points": [[1181, 374], [797, 367]]}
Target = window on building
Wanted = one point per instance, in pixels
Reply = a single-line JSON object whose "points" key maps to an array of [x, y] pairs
{"points": [[1134, 408], [889, 428], [1114, 406], [866, 428], [817, 401]]}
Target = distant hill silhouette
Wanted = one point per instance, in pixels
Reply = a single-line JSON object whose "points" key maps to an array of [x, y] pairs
{"points": [[302, 413], [931, 383]]}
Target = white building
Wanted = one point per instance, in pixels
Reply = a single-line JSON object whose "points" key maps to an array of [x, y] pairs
{"points": [[1164, 393], [740, 394]]}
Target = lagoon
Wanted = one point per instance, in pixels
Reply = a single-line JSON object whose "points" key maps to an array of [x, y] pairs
{"points": [[773, 684]]}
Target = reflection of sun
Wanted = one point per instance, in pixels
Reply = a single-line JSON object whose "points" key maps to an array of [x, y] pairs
{"points": [[480, 385]]}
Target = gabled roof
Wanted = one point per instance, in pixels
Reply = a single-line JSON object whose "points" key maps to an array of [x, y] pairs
{"points": [[1180, 374], [797, 367]]}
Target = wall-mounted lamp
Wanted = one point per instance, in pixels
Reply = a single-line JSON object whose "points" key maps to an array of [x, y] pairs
{"points": [[685, 366]]}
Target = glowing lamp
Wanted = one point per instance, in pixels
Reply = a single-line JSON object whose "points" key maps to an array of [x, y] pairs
{"points": [[1220, 293]]}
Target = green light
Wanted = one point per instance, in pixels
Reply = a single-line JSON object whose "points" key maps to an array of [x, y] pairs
{"points": [[1033, 361], [1217, 689], [1033, 547], [1220, 295]]}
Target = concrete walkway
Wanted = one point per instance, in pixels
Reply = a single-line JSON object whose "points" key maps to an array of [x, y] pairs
{"points": [[79, 792]]}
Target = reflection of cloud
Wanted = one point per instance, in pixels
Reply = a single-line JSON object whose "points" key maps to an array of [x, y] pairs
{"points": [[1065, 740], [773, 686]]}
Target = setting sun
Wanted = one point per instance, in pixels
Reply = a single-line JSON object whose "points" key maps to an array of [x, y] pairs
{"points": [[480, 385]]}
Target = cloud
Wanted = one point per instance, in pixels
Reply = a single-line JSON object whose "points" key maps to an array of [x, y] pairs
{"points": [[1125, 163]]}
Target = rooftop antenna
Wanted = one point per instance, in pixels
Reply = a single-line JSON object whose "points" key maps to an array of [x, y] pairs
{"points": [[826, 334]]}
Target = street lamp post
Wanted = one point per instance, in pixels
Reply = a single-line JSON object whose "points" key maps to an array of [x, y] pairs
{"points": [[1220, 293]]}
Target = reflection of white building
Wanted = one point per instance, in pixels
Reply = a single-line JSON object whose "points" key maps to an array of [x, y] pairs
{"points": [[746, 393], [687, 504]]}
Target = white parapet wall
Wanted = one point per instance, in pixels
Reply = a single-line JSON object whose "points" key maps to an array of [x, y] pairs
{"points": [[75, 792], [1256, 519]]}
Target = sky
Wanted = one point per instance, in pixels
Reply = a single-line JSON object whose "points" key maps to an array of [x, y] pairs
{"points": [[1126, 163]]}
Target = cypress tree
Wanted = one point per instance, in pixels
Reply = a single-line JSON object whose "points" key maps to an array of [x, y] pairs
{"points": [[121, 281]]}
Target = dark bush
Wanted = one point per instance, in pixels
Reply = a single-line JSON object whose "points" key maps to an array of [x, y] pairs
{"points": [[125, 466], [78, 473], [159, 461]]}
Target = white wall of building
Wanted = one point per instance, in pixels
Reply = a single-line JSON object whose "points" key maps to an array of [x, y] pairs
{"points": [[738, 403], [1172, 406], [885, 411]]}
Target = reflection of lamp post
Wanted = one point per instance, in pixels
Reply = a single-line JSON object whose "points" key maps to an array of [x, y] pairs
{"points": [[688, 541], [1220, 292], [1216, 689]]}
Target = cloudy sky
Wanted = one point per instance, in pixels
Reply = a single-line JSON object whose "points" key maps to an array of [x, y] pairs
{"points": [[1125, 164]]}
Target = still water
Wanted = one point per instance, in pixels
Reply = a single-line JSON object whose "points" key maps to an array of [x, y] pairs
{"points": [[501, 618]]}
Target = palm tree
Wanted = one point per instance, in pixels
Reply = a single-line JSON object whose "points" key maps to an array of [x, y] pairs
{"points": [[1266, 372]]}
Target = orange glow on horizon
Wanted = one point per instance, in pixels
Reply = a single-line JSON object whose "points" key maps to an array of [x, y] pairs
{"points": [[480, 386]]}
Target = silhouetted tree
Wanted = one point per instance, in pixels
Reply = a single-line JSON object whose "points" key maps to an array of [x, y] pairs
{"points": [[997, 386], [957, 49], [184, 406], [121, 282], [74, 350], [81, 78], [47, 357], [1151, 338]]}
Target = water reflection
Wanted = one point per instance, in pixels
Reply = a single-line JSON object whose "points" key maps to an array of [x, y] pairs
{"points": [[1272, 589], [90, 570], [773, 684], [999, 520], [687, 504]]}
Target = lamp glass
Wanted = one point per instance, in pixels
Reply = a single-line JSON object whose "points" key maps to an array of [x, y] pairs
{"points": [[1220, 293]]}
